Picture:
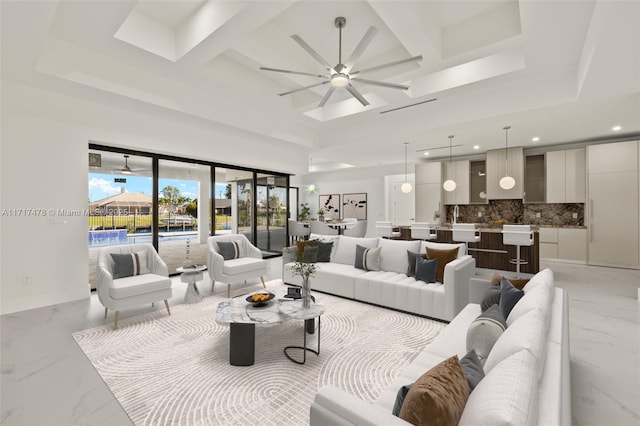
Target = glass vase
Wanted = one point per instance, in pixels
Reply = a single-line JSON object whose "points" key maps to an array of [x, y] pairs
{"points": [[306, 292]]}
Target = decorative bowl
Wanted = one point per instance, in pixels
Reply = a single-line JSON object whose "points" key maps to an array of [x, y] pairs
{"points": [[259, 300]]}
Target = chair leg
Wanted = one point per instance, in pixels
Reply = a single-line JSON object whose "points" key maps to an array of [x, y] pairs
{"points": [[115, 324], [166, 303], [262, 279], [105, 313], [213, 282], [228, 290]]}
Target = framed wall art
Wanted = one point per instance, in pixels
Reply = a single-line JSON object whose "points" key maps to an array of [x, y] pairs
{"points": [[330, 205], [355, 205]]}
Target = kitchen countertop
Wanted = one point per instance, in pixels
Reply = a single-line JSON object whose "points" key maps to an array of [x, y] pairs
{"points": [[487, 227]]}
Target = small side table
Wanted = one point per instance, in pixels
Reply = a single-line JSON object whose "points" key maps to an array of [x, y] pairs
{"points": [[191, 276], [296, 311]]}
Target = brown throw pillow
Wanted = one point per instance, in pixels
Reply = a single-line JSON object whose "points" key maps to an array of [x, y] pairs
{"points": [[438, 397], [301, 246], [516, 282], [444, 257]]}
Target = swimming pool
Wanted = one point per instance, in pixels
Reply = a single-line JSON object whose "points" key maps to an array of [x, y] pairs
{"points": [[120, 236]]}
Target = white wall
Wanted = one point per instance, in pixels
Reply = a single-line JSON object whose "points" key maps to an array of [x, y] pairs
{"points": [[370, 180], [44, 165]]}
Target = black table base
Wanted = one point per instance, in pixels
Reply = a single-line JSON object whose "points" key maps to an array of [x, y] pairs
{"points": [[304, 348]]}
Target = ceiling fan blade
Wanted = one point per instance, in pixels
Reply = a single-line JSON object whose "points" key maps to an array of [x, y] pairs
{"points": [[357, 95], [293, 72], [303, 88], [381, 83], [310, 51], [326, 97], [364, 43], [390, 64]]}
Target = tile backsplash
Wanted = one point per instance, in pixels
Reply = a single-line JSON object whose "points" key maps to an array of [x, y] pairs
{"points": [[516, 212]]}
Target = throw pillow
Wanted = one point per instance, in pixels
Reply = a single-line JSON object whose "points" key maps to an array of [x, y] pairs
{"points": [[301, 245], [472, 368], [367, 258], [518, 283], [130, 264], [426, 269], [310, 254], [491, 297], [484, 331], [324, 251], [230, 249], [509, 296], [411, 257], [444, 257], [438, 397], [400, 396]]}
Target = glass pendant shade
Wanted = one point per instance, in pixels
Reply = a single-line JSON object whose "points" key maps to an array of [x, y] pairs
{"points": [[406, 187], [507, 182], [449, 185]]}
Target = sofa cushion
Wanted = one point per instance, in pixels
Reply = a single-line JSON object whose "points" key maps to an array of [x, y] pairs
{"points": [[472, 368], [426, 269], [444, 256], [327, 239], [129, 264], [393, 257], [518, 283], [542, 278], [491, 297], [538, 298], [438, 396], [243, 264], [309, 254], [138, 284], [485, 331], [400, 396], [509, 296], [411, 261], [346, 249], [230, 249], [367, 258], [324, 251], [462, 248], [507, 395]]}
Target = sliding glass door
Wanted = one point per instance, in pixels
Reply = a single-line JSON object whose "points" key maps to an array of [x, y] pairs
{"points": [[271, 213]]}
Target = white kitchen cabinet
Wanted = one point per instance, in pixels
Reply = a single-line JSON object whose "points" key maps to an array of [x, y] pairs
{"points": [[428, 191], [566, 176], [613, 210], [459, 171], [572, 244], [498, 165], [548, 243]]}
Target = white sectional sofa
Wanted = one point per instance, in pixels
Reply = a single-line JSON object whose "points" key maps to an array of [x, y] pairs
{"points": [[527, 378], [390, 286]]}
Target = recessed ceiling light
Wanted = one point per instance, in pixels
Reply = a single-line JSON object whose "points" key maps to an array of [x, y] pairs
{"points": [[476, 147], [616, 128], [426, 153], [535, 139]]}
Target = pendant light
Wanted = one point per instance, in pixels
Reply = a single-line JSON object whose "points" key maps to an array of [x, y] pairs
{"points": [[507, 182], [406, 186], [450, 184]]}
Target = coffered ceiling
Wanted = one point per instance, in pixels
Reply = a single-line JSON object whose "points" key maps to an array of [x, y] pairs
{"points": [[562, 71]]}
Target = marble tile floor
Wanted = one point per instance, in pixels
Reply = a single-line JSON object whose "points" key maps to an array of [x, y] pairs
{"points": [[46, 379]]}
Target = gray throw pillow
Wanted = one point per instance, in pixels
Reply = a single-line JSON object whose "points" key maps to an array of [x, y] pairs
{"points": [[426, 269], [324, 251], [310, 254], [491, 297], [130, 264], [411, 257], [402, 393], [509, 296], [472, 368], [367, 258], [229, 250], [484, 331]]}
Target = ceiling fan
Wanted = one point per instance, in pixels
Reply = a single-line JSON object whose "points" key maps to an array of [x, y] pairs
{"points": [[126, 169], [341, 75]]}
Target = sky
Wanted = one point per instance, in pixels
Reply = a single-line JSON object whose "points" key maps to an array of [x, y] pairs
{"points": [[103, 186]]}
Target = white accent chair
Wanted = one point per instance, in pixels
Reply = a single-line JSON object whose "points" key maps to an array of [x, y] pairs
{"points": [[423, 231], [384, 229], [298, 230], [317, 227], [351, 221], [465, 233], [250, 265], [517, 235], [359, 229], [127, 292]]}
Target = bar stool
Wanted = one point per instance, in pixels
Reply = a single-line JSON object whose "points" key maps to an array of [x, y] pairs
{"points": [[466, 233], [384, 229], [517, 235], [423, 231]]}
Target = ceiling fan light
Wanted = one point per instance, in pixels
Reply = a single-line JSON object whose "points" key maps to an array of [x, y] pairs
{"points": [[507, 182], [406, 187], [449, 185], [339, 80]]}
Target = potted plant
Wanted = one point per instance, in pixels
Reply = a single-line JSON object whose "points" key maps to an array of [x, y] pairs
{"points": [[304, 212]]}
